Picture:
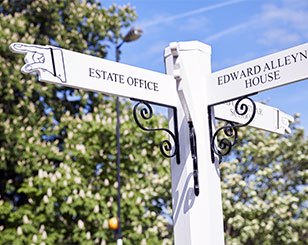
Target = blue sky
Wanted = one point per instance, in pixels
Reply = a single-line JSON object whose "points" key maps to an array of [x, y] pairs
{"points": [[237, 31]]}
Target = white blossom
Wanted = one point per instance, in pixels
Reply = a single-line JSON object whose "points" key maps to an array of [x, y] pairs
{"points": [[25, 219], [143, 152], [97, 196], [19, 230], [106, 182], [96, 209], [77, 180], [105, 224], [34, 238], [139, 229], [44, 235], [42, 228], [68, 175], [42, 174], [31, 182], [80, 224], [69, 200], [81, 148], [53, 178], [45, 199], [58, 174], [138, 200], [82, 194], [49, 192]]}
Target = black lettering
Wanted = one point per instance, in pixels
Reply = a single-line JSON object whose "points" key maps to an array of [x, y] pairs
{"points": [[104, 74], [294, 57], [109, 77], [121, 79], [148, 85], [279, 63], [156, 87], [270, 76], [220, 80], [249, 71], [226, 78], [287, 60], [130, 81], [256, 69], [276, 75], [136, 81], [98, 75], [256, 81], [266, 67], [272, 63], [115, 76], [91, 72], [248, 83], [242, 74], [303, 55], [234, 75], [143, 83], [263, 78]]}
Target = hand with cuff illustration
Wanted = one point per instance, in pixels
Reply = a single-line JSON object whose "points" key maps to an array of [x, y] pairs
{"points": [[46, 61]]}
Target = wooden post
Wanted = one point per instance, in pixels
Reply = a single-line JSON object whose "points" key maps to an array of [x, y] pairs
{"points": [[197, 217]]}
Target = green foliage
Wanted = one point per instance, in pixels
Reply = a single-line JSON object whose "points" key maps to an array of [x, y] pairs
{"points": [[57, 145], [265, 189]]}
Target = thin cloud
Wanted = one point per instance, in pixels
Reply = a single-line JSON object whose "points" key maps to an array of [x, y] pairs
{"points": [[271, 20], [190, 13], [231, 30]]}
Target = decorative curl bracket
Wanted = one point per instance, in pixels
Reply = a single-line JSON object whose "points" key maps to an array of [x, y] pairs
{"points": [[223, 146], [146, 113]]}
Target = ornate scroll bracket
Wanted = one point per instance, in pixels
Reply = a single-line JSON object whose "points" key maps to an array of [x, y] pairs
{"points": [[145, 111], [225, 137]]}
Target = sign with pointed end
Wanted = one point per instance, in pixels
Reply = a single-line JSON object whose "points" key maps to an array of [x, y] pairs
{"points": [[72, 69], [266, 117], [261, 74]]}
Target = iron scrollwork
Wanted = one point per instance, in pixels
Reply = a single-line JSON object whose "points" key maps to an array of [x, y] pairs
{"points": [[145, 111], [223, 146]]}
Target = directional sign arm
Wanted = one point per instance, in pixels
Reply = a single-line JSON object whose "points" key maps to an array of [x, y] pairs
{"points": [[266, 117], [258, 75], [72, 69]]}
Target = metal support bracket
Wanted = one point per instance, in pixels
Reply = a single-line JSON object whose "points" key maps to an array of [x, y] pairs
{"points": [[194, 155], [145, 111], [222, 146]]}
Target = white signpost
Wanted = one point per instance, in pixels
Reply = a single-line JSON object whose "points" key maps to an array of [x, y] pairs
{"points": [[267, 118], [197, 94]]}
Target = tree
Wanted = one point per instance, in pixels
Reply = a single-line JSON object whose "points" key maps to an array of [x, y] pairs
{"points": [[265, 189], [57, 145]]}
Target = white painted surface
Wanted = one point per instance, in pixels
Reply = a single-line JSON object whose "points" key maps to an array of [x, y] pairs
{"points": [[72, 69], [267, 118], [261, 74], [196, 219]]}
